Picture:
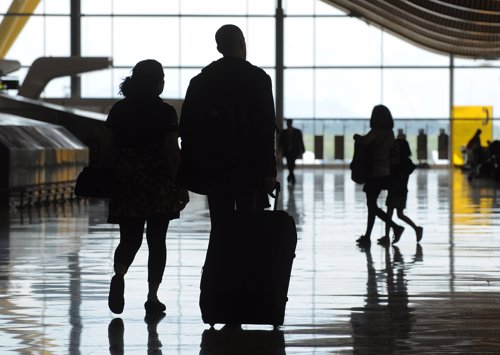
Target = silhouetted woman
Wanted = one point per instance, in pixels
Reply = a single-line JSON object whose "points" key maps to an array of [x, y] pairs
{"points": [[146, 159], [380, 138]]}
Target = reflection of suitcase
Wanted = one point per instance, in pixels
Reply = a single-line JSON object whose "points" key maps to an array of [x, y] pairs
{"points": [[248, 283], [235, 341]]}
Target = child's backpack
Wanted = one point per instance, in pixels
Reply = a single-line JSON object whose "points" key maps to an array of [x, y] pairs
{"points": [[401, 162]]}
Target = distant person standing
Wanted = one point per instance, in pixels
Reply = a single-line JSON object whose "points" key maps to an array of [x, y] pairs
{"points": [[291, 146], [398, 190]]}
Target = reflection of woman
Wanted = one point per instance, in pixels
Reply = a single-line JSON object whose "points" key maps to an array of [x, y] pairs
{"points": [[385, 322], [380, 138], [146, 158]]}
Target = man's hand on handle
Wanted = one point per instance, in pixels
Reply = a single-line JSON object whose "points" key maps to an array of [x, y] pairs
{"points": [[269, 184]]}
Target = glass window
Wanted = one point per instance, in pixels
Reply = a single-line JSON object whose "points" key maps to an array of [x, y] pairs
{"points": [[261, 41], [219, 7], [96, 36], [346, 93], [184, 44], [57, 37], [298, 92], [54, 7], [139, 38], [476, 62], [346, 41], [324, 8], [299, 40], [400, 52], [421, 93], [171, 40], [478, 87], [198, 48], [41, 36], [172, 87], [96, 7], [299, 7], [29, 45], [261, 7], [144, 7], [58, 87], [98, 84]]}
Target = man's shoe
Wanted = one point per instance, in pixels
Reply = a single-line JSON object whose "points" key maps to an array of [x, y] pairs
{"points": [[154, 307], [115, 298], [398, 231]]}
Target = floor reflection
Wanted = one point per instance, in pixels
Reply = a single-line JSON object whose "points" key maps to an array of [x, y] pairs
{"points": [[242, 342], [75, 318], [386, 320], [116, 334], [56, 263], [154, 344], [116, 331]]}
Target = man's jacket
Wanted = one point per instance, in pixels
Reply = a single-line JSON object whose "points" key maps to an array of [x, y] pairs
{"points": [[227, 128]]}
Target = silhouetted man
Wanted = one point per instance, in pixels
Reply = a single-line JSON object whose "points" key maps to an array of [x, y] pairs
{"points": [[227, 131], [291, 145]]}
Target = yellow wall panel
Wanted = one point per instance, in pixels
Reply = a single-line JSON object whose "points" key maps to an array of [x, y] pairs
{"points": [[466, 120]]}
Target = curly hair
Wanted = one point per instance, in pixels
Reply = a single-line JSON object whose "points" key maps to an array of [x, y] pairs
{"points": [[145, 81]]}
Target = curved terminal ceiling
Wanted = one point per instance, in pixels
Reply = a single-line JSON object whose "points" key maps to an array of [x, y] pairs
{"points": [[465, 28]]}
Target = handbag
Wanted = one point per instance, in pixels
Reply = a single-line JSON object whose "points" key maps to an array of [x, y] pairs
{"points": [[361, 163], [94, 181]]}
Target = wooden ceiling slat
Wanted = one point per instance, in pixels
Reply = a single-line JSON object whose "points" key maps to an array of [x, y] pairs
{"points": [[469, 28]]}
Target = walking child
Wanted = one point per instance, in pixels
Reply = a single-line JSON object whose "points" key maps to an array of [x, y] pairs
{"points": [[398, 190]]}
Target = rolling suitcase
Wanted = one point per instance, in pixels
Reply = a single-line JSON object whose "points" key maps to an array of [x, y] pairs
{"points": [[248, 283]]}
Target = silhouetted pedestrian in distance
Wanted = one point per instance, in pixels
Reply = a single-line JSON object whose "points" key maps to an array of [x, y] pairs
{"points": [[472, 150], [476, 155], [398, 189], [380, 139], [146, 159], [291, 146]]}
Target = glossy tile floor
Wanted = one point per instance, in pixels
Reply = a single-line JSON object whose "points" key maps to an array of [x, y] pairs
{"points": [[442, 296]]}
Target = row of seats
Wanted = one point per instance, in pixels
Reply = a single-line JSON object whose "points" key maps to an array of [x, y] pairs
{"points": [[421, 153]]}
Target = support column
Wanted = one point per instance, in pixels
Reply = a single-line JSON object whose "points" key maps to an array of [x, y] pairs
{"points": [[452, 103], [279, 63], [450, 172], [75, 44]]}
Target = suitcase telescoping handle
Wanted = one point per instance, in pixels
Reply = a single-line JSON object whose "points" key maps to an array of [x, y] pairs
{"points": [[276, 194]]}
